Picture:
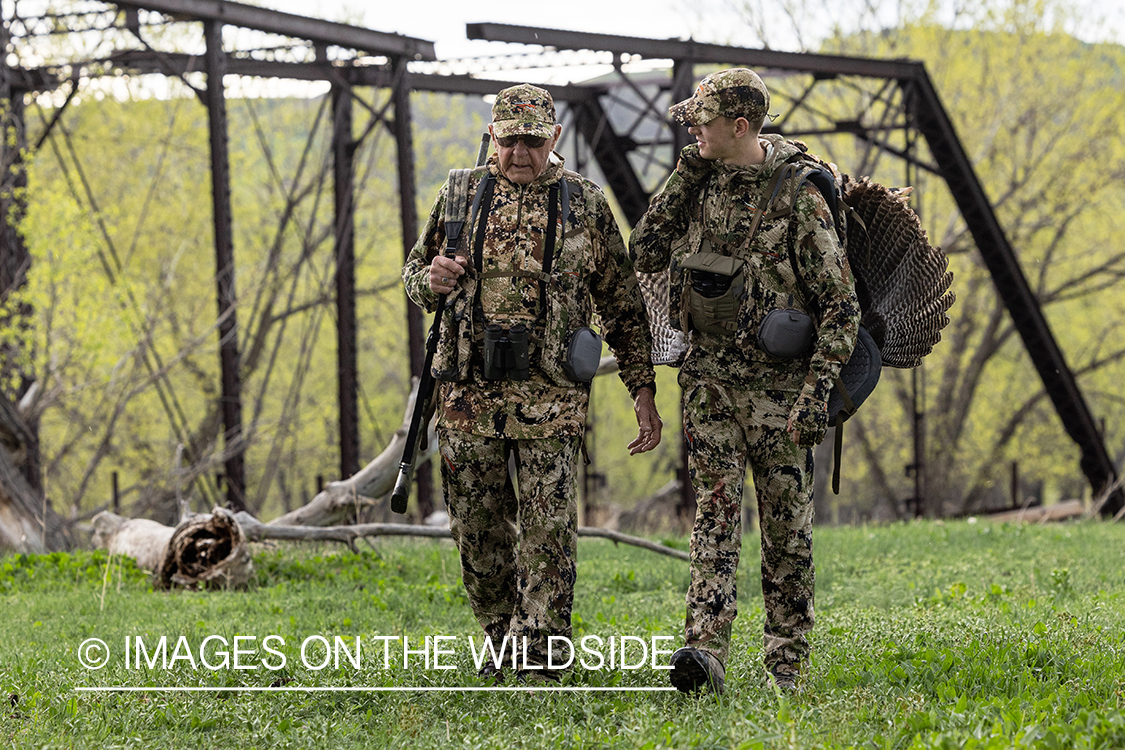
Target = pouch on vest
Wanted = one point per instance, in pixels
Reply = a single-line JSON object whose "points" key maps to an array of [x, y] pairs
{"points": [[711, 312], [786, 334], [583, 355]]}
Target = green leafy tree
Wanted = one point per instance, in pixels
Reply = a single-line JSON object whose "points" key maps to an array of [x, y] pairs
{"points": [[125, 342]]}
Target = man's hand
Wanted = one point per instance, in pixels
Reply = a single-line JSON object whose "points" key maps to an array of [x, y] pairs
{"points": [[444, 273], [808, 419], [692, 167], [648, 422]]}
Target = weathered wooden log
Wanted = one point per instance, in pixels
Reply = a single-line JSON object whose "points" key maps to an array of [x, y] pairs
{"points": [[207, 550], [1041, 513], [256, 531], [203, 550], [139, 538]]}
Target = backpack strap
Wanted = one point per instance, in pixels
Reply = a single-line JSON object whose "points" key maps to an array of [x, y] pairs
{"points": [[553, 201], [825, 183], [769, 195], [486, 186], [456, 207]]}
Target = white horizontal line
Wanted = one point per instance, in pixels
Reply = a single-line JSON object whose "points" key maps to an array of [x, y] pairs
{"points": [[432, 689]]}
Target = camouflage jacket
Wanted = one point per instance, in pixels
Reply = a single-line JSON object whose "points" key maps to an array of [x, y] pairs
{"points": [[721, 207], [591, 272]]}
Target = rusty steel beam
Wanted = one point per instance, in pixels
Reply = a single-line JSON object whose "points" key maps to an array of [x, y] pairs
{"points": [[377, 76], [290, 25], [347, 376], [934, 124], [229, 358], [15, 260], [697, 52], [612, 154]]}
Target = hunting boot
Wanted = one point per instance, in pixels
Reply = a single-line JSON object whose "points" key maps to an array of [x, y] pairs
{"points": [[694, 669], [785, 676]]}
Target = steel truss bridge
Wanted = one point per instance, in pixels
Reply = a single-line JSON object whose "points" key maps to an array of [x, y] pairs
{"points": [[616, 123]]}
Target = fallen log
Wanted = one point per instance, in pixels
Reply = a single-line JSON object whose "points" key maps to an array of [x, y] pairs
{"points": [[255, 530], [206, 550], [1041, 513], [139, 538], [374, 481]]}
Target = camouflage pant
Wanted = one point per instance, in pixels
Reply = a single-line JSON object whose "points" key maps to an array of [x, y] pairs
{"points": [[517, 553], [727, 429]]}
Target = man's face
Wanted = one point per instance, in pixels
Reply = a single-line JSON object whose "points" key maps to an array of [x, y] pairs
{"points": [[716, 139], [520, 162]]}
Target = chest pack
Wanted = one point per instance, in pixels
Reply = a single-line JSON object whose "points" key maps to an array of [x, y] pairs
{"points": [[506, 351]]}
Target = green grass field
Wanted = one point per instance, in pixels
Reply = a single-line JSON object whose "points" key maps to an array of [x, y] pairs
{"points": [[928, 635]]}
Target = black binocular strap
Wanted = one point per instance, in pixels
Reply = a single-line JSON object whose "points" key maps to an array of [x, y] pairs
{"points": [[483, 197], [549, 247], [483, 200]]}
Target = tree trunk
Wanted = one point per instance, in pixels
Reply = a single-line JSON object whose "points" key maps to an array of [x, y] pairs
{"points": [[27, 521]]}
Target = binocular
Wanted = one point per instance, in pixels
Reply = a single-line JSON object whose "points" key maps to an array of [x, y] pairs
{"points": [[505, 353], [709, 284]]}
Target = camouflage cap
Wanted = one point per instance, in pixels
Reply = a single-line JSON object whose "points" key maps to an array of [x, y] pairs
{"points": [[736, 92], [523, 110]]}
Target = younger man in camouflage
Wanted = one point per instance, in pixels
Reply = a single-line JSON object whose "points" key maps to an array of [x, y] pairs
{"points": [[542, 256], [731, 265]]}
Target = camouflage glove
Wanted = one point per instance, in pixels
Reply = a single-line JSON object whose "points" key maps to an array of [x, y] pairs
{"points": [[808, 419], [692, 167]]}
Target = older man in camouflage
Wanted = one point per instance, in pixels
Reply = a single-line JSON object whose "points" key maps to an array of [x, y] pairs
{"points": [[539, 256], [732, 255]]}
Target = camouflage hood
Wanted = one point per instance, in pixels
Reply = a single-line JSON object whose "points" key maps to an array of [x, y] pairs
{"points": [[778, 150]]}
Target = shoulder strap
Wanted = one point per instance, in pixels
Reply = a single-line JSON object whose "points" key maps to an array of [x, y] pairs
{"points": [[484, 195], [456, 206], [780, 175], [825, 183], [553, 200]]}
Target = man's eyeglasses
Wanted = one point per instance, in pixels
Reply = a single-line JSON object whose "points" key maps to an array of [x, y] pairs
{"points": [[531, 141]]}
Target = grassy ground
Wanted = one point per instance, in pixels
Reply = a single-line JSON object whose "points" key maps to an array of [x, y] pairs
{"points": [[928, 635]]}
